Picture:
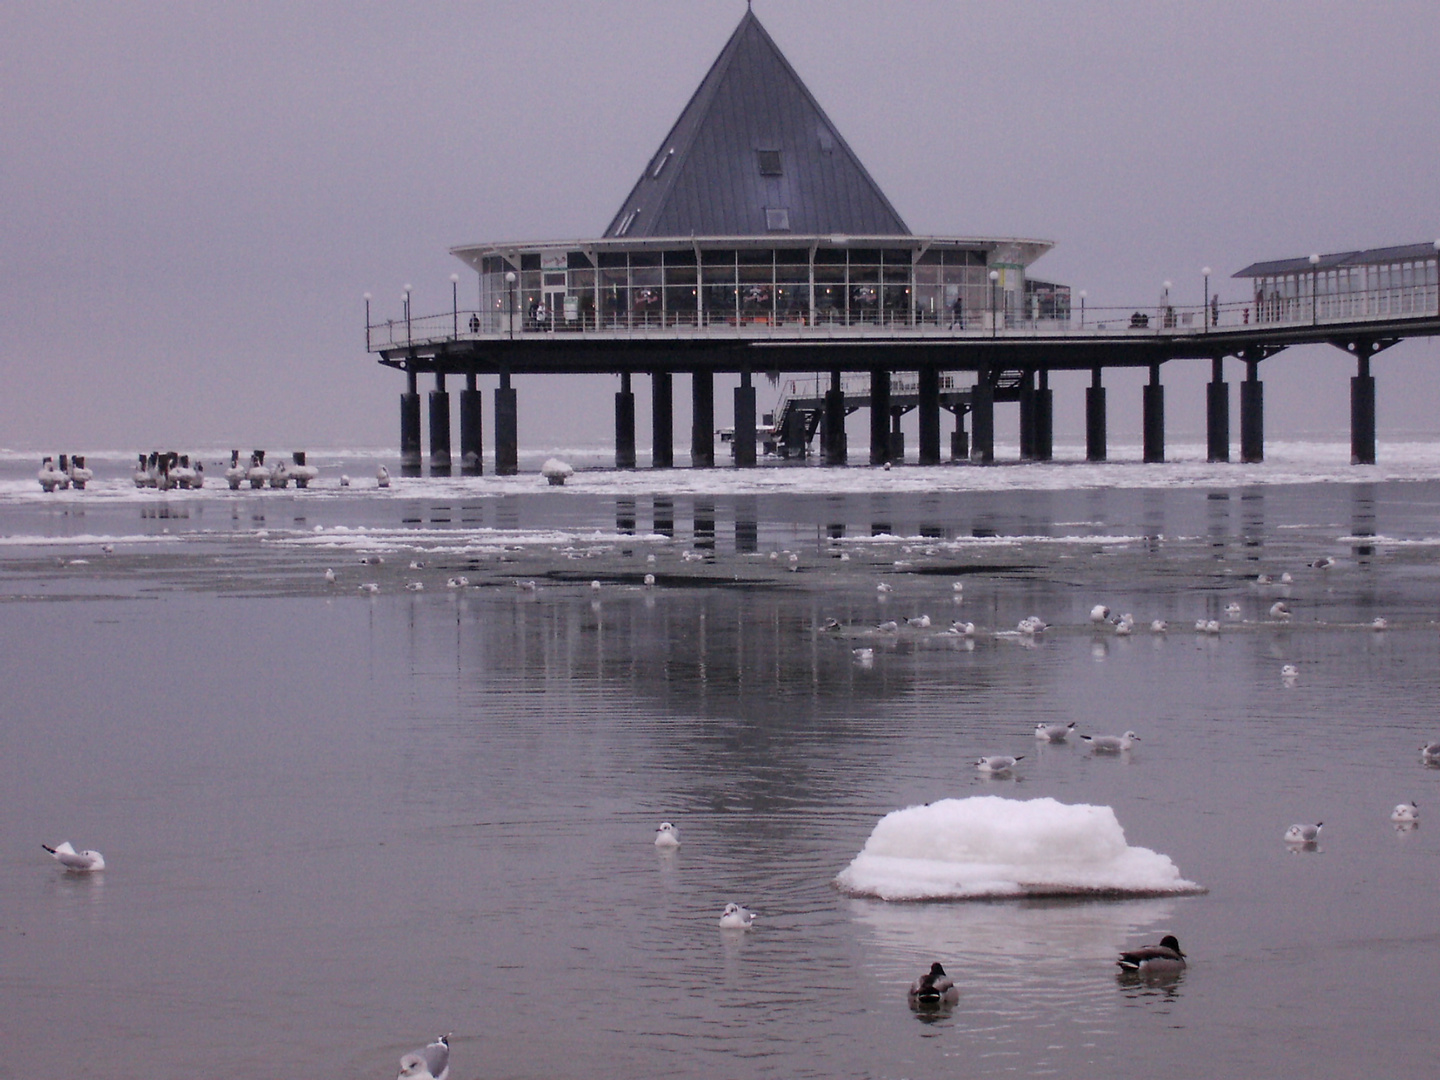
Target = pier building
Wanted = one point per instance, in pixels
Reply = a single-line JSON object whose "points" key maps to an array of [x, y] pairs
{"points": [[755, 242]]}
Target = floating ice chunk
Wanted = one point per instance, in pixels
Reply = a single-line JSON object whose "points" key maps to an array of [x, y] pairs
{"points": [[987, 846]]}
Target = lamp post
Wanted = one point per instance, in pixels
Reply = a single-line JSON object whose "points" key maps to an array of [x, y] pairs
{"points": [[1314, 289], [510, 302], [1167, 315], [1083, 294], [1205, 311], [994, 320], [1437, 277], [367, 322], [405, 296], [454, 306]]}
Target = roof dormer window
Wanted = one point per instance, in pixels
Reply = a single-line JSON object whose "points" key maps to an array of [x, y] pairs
{"points": [[769, 162]]}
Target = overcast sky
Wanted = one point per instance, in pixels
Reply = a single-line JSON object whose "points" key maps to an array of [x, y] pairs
{"points": [[195, 197]]}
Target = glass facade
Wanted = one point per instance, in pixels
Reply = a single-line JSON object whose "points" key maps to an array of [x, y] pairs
{"points": [[1356, 290]]}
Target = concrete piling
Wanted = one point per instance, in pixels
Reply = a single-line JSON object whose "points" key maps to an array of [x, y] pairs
{"points": [[1252, 414], [1217, 413], [625, 424], [472, 423], [702, 420], [745, 421], [439, 428], [507, 429], [1154, 418], [929, 391], [879, 416], [662, 420], [1095, 437]]}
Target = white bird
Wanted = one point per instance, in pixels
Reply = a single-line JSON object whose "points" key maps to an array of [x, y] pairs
{"points": [[1031, 625], [649, 580], [344, 480], [428, 1063], [885, 587], [844, 556], [370, 587], [1159, 626], [735, 917], [889, 626], [998, 764], [1280, 610], [1285, 578], [457, 582], [919, 621], [1111, 744], [651, 559], [1053, 732], [1262, 579], [794, 562], [1126, 625], [77, 862], [863, 657], [382, 477], [417, 564], [1289, 672], [958, 586], [1233, 609], [1430, 753], [1325, 562], [934, 988], [525, 586], [1099, 613], [595, 586], [329, 577], [372, 560], [1406, 813], [966, 629], [667, 836], [1212, 626], [1380, 623], [415, 586], [1303, 834], [108, 549]]}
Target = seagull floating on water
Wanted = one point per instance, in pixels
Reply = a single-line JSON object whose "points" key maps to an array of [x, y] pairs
{"points": [[965, 629], [1162, 959], [884, 587], [1111, 744], [1233, 609], [1280, 610], [889, 626], [1325, 562], [1099, 613], [428, 1063], [1289, 671], [1285, 578], [1430, 753], [1053, 732], [415, 586], [594, 586], [998, 764], [863, 657], [919, 621], [1307, 835], [667, 836], [1159, 626], [1406, 813], [735, 917], [76, 862], [1031, 625], [329, 577], [649, 581], [934, 988], [369, 587], [1380, 623], [1126, 625], [457, 582], [382, 477], [958, 586]]}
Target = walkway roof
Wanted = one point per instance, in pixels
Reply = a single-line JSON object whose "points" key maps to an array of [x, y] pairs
{"points": [[753, 153], [1371, 257]]}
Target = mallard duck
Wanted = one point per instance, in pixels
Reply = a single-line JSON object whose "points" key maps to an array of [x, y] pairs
{"points": [[934, 988], [1163, 959]]}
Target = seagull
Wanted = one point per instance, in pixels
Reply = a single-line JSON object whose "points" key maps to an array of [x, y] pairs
{"points": [[1262, 579], [595, 586], [344, 480], [1430, 753], [1099, 613], [831, 625], [371, 560], [1159, 626], [1325, 562], [1307, 835], [1289, 671], [429, 1062], [649, 581], [415, 586], [1380, 623], [1111, 744], [1053, 732], [735, 917], [1406, 813], [959, 586], [417, 564], [525, 586], [108, 549], [77, 862], [1163, 959], [889, 626], [794, 562], [863, 657], [934, 988], [1126, 625], [370, 587], [1233, 609], [457, 582], [1285, 578], [1280, 610], [1031, 624], [920, 621], [966, 629], [667, 836], [382, 477], [329, 577], [884, 587], [998, 764]]}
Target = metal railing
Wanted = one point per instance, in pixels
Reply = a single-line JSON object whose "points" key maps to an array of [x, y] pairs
{"points": [[1163, 319]]}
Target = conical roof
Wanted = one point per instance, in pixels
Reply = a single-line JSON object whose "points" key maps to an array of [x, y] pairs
{"points": [[753, 153]]}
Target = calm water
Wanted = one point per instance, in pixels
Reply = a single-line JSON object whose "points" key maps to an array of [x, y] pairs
{"points": [[337, 825]]}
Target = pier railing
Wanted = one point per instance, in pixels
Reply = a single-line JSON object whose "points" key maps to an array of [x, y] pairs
{"points": [[1164, 319]]}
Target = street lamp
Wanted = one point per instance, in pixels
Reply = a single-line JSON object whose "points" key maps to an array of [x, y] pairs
{"points": [[510, 302], [1314, 289], [454, 306], [406, 297], [1168, 314], [1205, 311], [1083, 294], [994, 277], [367, 322]]}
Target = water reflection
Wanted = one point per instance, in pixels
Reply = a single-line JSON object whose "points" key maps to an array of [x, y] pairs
{"points": [[704, 530]]}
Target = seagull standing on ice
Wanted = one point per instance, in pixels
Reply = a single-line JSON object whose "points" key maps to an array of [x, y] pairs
{"points": [[428, 1063], [667, 836], [382, 477], [329, 577], [735, 917], [77, 862]]}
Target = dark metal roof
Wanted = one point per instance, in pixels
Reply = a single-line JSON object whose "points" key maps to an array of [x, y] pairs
{"points": [[1371, 257], [753, 139]]}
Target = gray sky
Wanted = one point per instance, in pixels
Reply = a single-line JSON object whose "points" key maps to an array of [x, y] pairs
{"points": [[195, 197]]}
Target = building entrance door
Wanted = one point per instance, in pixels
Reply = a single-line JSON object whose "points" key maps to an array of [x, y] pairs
{"points": [[554, 306]]}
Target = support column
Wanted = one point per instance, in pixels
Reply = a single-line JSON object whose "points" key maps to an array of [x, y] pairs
{"points": [[1044, 419], [1217, 412], [472, 434], [832, 425], [897, 437], [1252, 414], [662, 420], [702, 420], [982, 420], [507, 429], [959, 438], [439, 428], [879, 416], [792, 435], [1154, 417], [625, 424], [1095, 449], [1362, 408], [745, 421], [1027, 417], [929, 416], [410, 428]]}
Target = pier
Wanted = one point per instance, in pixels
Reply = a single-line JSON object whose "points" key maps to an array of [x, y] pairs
{"points": [[755, 243]]}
